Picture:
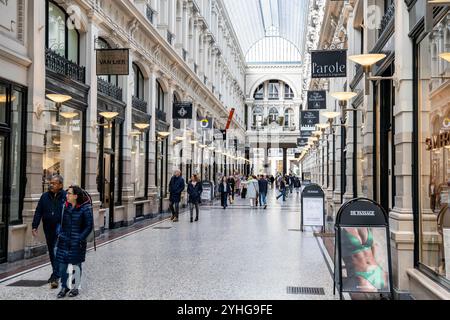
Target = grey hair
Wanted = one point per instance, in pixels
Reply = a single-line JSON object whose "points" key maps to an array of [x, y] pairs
{"points": [[59, 178]]}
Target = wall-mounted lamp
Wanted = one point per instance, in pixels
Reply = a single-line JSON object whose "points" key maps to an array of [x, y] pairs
{"points": [[367, 61], [58, 99]]}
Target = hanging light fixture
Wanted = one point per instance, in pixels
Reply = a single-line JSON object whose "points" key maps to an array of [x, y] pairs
{"points": [[163, 134], [367, 60], [68, 115], [142, 126], [331, 114], [59, 98], [343, 96], [109, 115]]}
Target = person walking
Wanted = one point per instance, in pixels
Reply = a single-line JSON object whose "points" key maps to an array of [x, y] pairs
{"points": [[263, 184], [282, 190], [176, 187], [232, 183], [243, 188], [49, 211], [297, 184], [252, 190], [73, 230], [224, 190], [195, 190]]}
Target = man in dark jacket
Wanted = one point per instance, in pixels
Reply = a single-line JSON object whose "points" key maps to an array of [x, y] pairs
{"points": [[176, 187], [49, 211], [263, 189]]}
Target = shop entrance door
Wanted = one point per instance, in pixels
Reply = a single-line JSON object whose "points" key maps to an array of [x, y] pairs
{"points": [[3, 203], [108, 187]]}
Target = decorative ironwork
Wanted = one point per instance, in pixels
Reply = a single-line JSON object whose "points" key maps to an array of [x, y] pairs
{"points": [[388, 16], [63, 66], [150, 14], [170, 37], [109, 89], [139, 104], [161, 115]]}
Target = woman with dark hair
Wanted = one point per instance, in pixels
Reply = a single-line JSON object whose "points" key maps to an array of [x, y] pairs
{"points": [[75, 226], [195, 190], [224, 190]]}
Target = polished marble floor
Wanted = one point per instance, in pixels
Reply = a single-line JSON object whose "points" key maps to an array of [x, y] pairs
{"points": [[233, 254]]}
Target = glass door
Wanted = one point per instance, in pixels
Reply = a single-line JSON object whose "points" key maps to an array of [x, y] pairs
{"points": [[3, 215]]}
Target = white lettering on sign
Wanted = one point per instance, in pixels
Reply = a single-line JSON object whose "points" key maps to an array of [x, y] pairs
{"points": [[362, 213]]}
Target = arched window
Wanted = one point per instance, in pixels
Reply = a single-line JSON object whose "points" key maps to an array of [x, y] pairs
{"points": [[138, 82], [274, 90], [273, 115], [103, 44], [59, 38], [289, 118], [259, 93], [257, 117], [288, 93], [160, 96]]}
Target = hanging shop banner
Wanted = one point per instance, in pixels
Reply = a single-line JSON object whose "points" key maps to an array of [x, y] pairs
{"points": [[305, 134], [363, 248], [309, 119], [182, 110], [218, 135], [313, 207], [317, 100], [230, 118], [329, 64], [113, 62], [206, 123], [301, 142]]}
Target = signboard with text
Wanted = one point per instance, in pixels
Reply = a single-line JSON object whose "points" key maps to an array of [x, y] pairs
{"points": [[182, 110], [309, 119], [329, 64], [113, 62], [317, 100]]}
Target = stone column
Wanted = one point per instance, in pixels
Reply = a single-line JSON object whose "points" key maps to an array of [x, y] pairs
{"points": [[152, 191]]}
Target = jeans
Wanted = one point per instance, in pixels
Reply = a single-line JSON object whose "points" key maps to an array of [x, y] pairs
{"points": [[191, 208], [175, 208], [262, 198], [224, 200], [282, 194], [76, 276], [51, 238]]}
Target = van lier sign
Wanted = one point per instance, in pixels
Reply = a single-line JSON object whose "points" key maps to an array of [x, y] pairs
{"points": [[329, 64], [438, 141], [113, 62]]}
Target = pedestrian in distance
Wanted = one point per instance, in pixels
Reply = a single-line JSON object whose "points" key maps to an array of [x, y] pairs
{"points": [[232, 183], [195, 190], [176, 187], [225, 191], [263, 189], [252, 190], [283, 189], [73, 230], [243, 188], [297, 184], [49, 211]]}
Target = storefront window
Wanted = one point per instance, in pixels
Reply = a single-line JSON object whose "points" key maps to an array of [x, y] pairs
{"points": [[62, 144], [2, 104], [434, 152], [138, 160]]}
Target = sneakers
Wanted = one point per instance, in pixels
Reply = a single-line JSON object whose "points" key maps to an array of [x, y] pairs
{"points": [[171, 218], [196, 219], [265, 207], [175, 219], [54, 284], [62, 293]]}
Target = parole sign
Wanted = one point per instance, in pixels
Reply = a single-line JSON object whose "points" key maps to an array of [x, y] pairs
{"points": [[329, 64], [113, 62]]}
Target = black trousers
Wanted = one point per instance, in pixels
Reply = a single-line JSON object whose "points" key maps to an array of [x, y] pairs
{"points": [[224, 200], [50, 237], [193, 206], [175, 208]]}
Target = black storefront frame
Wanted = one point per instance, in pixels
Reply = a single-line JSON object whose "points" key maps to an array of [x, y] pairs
{"points": [[6, 131], [418, 34]]}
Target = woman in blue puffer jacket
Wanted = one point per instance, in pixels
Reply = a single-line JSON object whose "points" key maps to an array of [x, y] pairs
{"points": [[76, 225]]}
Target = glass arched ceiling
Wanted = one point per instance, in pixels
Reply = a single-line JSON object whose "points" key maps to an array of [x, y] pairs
{"points": [[254, 20]]}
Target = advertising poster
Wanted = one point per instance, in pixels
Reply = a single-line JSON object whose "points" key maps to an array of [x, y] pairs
{"points": [[364, 260], [313, 212]]}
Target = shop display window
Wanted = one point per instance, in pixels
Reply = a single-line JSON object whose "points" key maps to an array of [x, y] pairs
{"points": [[434, 151], [138, 160], [62, 145]]}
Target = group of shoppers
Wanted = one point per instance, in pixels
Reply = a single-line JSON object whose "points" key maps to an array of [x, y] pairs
{"points": [[254, 188], [287, 184], [67, 220]]}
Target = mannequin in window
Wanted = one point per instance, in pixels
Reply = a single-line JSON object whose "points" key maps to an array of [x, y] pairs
{"points": [[432, 193]]}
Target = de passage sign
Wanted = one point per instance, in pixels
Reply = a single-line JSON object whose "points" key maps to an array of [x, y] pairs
{"points": [[329, 64]]}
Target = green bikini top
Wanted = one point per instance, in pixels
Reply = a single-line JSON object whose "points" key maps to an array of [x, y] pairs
{"points": [[356, 243]]}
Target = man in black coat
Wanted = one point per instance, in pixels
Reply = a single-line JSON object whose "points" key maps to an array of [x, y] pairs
{"points": [[176, 187], [49, 211], [263, 189]]}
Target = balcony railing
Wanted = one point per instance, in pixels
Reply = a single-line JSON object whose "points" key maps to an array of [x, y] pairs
{"points": [[150, 14], [139, 104], [289, 128], [63, 66], [388, 16], [161, 115], [109, 89]]}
